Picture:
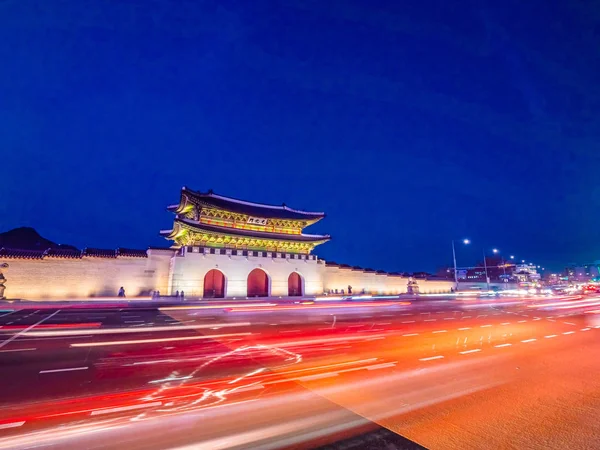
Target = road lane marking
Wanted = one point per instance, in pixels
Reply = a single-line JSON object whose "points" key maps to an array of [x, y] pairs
{"points": [[569, 332], [11, 425], [485, 326], [585, 329], [13, 337], [521, 321], [431, 358], [529, 340], [18, 350], [502, 345], [410, 334], [409, 321], [537, 318], [466, 352], [464, 328], [99, 412], [8, 314], [466, 317], [550, 336], [505, 323], [449, 318], [380, 366], [429, 320], [318, 376], [440, 331], [570, 323], [70, 369]]}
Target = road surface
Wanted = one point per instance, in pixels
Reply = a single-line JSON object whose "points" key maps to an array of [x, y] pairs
{"points": [[444, 373]]}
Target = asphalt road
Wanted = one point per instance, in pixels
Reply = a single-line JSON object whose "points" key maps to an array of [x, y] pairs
{"points": [[501, 373]]}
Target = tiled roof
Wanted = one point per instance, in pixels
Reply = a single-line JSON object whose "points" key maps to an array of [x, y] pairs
{"points": [[134, 253], [99, 253], [21, 254], [250, 208], [255, 234], [62, 253], [15, 253]]}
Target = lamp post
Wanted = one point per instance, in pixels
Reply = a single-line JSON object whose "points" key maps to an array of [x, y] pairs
{"points": [[466, 242], [487, 278]]}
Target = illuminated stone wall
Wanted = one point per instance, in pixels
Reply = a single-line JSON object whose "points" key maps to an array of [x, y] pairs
{"points": [[339, 278], [86, 277], [188, 273], [56, 278]]}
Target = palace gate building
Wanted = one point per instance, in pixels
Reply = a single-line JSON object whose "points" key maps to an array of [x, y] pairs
{"points": [[221, 248]]}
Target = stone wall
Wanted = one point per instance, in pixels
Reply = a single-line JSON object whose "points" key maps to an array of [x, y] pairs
{"points": [[86, 277], [336, 277], [189, 269], [169, 271]]}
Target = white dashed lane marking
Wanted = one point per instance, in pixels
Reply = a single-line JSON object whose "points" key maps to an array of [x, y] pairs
{"points": [[466, 352]]}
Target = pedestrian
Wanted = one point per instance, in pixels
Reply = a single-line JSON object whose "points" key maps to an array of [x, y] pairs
{"points": [[177, 294], [121, 292], [182, 295]]}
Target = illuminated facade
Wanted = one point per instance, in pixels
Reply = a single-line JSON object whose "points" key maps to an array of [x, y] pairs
{"points": [[213, 221], [222, 248], [233, 248]]}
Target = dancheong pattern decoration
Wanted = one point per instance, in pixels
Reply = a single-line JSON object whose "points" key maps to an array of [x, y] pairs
{"points": [[211, 220]]}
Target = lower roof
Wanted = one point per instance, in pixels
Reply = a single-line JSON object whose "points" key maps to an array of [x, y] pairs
{"points": [[251, 233]]}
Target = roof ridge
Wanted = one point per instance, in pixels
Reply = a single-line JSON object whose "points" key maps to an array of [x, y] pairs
{"points": [[247, 203]]}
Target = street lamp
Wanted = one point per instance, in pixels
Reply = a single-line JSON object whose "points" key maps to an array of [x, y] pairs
{"points": [[496, 251], [466, 242], [512, 256]]}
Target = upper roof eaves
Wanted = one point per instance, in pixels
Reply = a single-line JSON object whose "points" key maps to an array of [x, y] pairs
{"points": [[252, 209]]}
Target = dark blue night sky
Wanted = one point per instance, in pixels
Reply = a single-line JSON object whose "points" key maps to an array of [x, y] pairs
{"points": [[409, 125]]}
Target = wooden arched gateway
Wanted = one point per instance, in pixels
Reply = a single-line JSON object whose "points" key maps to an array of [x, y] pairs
{"points": [[258, 283], [295, 285], [214, 284]]}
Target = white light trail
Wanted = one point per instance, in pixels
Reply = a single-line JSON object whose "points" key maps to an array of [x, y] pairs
{"points": [[152, 341]]}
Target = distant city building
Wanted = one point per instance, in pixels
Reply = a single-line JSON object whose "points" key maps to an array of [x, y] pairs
{"points": [[526, 273], [582, 273]]}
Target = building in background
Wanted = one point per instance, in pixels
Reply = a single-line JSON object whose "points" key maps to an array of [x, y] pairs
{"points": [[582, 273]]}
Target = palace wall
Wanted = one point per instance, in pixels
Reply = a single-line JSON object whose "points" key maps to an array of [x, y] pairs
{"points": [[169, 271], [189, 269], [336, 277], [53, 277]]}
